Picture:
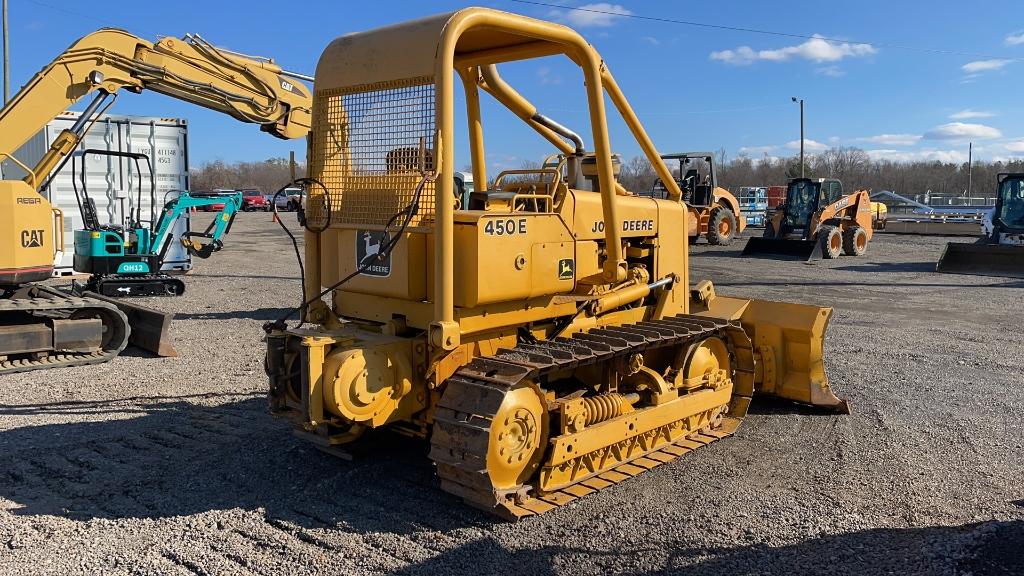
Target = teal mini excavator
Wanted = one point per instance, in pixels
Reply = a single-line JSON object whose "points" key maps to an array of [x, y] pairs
{"points": [[125, 259]]}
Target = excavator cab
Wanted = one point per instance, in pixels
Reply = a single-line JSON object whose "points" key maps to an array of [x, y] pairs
{"points": [[1000, 250]]}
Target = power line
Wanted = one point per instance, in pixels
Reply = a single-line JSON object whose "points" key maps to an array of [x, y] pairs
{"points": [[765, 32]]}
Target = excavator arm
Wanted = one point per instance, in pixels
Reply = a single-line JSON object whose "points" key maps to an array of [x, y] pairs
{"points": [[250, 89]]}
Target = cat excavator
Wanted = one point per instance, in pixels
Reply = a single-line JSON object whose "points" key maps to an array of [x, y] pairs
{"points": [[547, 340], [42, 327]]}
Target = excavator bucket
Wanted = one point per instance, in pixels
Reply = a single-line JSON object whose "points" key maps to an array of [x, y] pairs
{"points": [[806, 250], [982, 260], [150, 329], [788, 341]]}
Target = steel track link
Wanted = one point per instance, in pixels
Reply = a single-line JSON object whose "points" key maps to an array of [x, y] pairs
{"points": [[64, 306], [475, 392]]}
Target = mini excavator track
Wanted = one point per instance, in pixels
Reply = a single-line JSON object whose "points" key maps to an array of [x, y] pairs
{"points": [[474, 427]]}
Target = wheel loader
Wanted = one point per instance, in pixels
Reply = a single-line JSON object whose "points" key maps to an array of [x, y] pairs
{"points": [[1000, 250], [817, 220], [714, 212], [548, 342], [41, 327]]}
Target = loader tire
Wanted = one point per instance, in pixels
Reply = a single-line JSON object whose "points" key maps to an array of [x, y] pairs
{"points": [[855, 241], [831, 241], [721, 227]]}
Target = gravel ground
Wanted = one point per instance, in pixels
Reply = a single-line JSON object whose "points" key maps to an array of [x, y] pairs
{"points": [[173, 466]]}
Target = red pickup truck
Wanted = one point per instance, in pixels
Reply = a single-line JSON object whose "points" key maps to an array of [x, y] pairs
{"points": [[254, 200]]}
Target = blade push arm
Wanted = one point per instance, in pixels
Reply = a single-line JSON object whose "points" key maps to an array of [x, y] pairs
{"points": [[247, 88]]}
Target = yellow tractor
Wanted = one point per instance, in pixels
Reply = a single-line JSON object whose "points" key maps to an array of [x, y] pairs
{"points": [[548, 341], [41, 327], [714, 211]]}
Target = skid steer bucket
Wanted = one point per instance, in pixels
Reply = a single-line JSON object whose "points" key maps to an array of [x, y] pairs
{"points": [[788, 341], [982, 260], [150, 328], [806, 250]]}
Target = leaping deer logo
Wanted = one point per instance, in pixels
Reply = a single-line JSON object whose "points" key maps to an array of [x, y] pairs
{"points": [[372, 249], [565, 271]]}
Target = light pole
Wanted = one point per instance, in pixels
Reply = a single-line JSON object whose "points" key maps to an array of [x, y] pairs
{"points": [[7, 60], [801, 101]]}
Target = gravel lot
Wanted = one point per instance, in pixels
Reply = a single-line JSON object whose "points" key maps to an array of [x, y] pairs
{"points": [[173, 466]]}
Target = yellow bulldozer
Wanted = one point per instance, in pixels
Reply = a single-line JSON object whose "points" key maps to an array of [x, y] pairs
{"points": [[41, 327], [549, 341]]}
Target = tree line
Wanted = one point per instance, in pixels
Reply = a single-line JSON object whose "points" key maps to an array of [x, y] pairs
{"points": [[851, 165], [267, 176]]}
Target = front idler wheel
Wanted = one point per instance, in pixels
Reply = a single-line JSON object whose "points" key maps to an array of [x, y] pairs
{"points": [[518, 438]]}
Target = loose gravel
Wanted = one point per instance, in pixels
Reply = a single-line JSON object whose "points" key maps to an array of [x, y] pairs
{"points": [[173, 466]]}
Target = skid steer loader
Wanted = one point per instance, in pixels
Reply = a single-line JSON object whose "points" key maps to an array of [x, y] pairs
{"points": [[816, 221], [548, 341], [1000, 251]]}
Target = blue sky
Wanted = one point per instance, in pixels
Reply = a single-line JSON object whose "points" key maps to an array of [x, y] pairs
{"points": [[693, 87]]}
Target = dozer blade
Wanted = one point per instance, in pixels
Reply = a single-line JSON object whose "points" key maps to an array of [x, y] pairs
{"points": [[982, 260], [150, 328], [806, 250], [788, 342]]}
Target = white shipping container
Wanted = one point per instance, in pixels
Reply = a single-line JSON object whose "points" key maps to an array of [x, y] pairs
{"points": [[113, 183]]}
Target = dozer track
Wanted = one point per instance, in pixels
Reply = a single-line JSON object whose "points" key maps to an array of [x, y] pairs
{"points": [[57, 305], [461, 436]]}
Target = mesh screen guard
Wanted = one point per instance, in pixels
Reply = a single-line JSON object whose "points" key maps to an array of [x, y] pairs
{"points": [[366, 149]]}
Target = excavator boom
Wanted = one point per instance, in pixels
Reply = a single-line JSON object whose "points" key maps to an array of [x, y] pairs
{"points": [[254, 90]]}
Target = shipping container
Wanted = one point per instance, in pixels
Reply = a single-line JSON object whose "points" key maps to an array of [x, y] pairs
{"points": [[113, 183], [776, 196]]}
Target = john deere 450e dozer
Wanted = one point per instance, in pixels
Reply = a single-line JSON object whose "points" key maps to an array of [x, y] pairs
{"points": [[548, 342]]}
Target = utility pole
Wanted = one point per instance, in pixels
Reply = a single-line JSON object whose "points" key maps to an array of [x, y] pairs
{"points": [[970, 169], [801, 101], [7, 58]]}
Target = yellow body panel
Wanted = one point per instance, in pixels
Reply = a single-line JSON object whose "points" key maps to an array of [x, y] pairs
{"points": [[27, 241]]}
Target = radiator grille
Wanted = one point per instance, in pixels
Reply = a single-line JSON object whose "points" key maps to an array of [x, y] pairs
{"points": [[366, 149]]}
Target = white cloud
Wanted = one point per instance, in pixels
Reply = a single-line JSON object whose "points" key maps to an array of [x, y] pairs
{"points": [[1015, 38], [546, 77], [1015, 146], [809, 145], [984, 65], [758, 150], [928, 155], [831, 71], [962, 131], [892, 139], [651, 40], [597, 15], [817, 49], [968, 114]]}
